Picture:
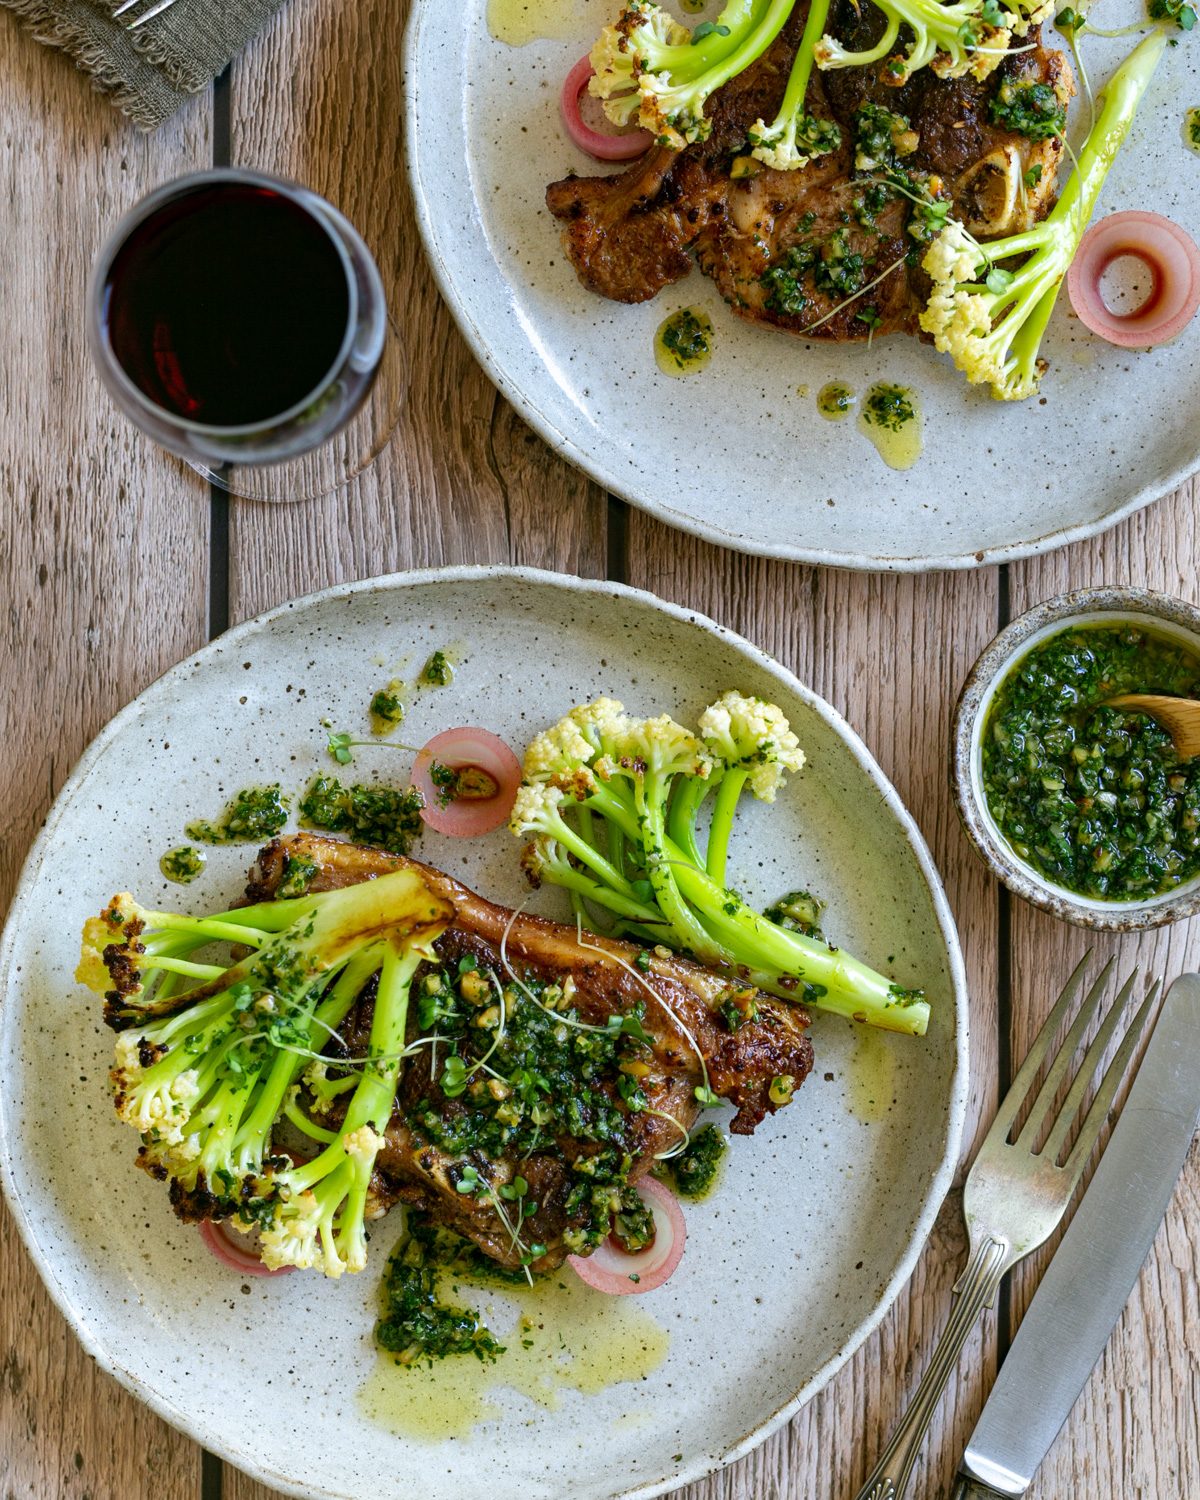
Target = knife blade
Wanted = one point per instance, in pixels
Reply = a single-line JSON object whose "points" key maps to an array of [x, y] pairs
{"points": [[1089, 1281]]}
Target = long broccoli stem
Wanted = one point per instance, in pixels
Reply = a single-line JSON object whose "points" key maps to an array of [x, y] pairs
{"points": [[374, 1095], [253, 1137], [684, 809], [728, 794], [779, 957], [750, 47], [797, 87], [579, 884], [650, 793], [691, 60]]}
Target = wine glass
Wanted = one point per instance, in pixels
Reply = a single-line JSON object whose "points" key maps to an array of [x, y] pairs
{"points": [[240, 321]]}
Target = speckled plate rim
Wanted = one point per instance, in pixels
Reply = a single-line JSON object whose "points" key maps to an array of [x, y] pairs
{"points": [[592, 462], [210, 1436], [995, 660]]}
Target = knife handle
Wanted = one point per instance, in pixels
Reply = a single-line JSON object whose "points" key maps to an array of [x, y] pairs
{"points": [[966, 1488], [976, 1290]]}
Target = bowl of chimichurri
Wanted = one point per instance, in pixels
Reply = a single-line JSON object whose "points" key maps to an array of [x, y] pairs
{"points": [[1082, 808]]}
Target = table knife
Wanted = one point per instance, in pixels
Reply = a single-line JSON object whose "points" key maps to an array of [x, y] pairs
{"points": [[1094, 1270]]}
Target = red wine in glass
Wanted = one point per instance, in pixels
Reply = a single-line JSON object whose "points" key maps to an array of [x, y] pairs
{"points": [[237, 318]]}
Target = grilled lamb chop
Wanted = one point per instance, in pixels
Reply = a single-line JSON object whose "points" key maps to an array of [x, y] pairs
{"points": [[630, 235], [747, 1039]]}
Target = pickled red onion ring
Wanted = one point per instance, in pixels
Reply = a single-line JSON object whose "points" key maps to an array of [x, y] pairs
{"points": [[614, 1271], [1167, 252], [478, 750], [220, 1240], [603, 146]]}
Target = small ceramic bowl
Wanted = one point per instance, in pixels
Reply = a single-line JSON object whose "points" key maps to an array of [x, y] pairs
{"points": [[1167, 616]]}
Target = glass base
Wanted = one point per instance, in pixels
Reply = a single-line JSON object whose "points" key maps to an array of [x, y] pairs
{"points": [[324, 470]]}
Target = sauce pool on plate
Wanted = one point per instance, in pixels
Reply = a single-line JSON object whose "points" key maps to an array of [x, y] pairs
{"points": [[683, 342]]}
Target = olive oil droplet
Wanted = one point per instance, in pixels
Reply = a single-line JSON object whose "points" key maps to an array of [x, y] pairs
{"points": [[519, 22], [890, 416], [683, 342], [182, 865], [836, 400]]}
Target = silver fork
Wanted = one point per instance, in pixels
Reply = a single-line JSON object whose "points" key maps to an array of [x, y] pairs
{"points": [[147, 15], [1015, 1195]]}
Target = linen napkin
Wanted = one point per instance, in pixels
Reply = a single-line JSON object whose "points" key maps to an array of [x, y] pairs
{"points": [[150, 72]]}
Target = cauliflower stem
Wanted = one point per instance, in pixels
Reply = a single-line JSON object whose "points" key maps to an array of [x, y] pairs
{"points": [[991, 320], [610, 808]]}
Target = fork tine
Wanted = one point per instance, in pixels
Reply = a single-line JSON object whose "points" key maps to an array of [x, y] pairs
{"points": [[1040, 1114], [1011, 1103], [122, 8], [1091, 1060], [1089, 1130]]}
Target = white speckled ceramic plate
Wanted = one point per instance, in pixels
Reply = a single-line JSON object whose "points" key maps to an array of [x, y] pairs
{"points": [[790, 1264], [736, 454]]}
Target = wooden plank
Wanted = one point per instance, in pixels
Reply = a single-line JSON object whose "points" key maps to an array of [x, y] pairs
{"points": [[319, 99], [1135, 1434], [103, 583], [890, 654]]}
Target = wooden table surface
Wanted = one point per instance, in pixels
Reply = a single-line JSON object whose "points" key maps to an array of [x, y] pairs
{"points": [[115, 562]]}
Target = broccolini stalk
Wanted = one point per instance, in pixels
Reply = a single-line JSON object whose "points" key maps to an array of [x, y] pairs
{"points": [[991, 320], [646, 781], [206, 1075], [793, 139], [320, 1219], [651, 71]]}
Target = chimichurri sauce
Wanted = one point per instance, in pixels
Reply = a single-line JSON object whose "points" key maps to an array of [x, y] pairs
{"points": [[1095, 798]]}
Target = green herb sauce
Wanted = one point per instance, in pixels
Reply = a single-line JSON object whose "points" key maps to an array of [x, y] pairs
{"points": [[416, 1326], [798, 911], [547, 1077], [835, 401], [514, 1072], [255, 814], [387, 708], [1095, 798], [297, 876], [437, 671], [182, 865], [1191, 130], [694, 1171], [385, 816], [683, 343]]}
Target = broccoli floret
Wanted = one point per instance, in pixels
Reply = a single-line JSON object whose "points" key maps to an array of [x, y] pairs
{"points": [[1030, 108], [795, 138], [991, 320], [654, 72], [967, 36], [610, 806], [204, 1073]]}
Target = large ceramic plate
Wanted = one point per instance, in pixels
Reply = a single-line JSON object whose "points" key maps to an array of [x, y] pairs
{"points": [[789, 1265], [737, 454]]}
